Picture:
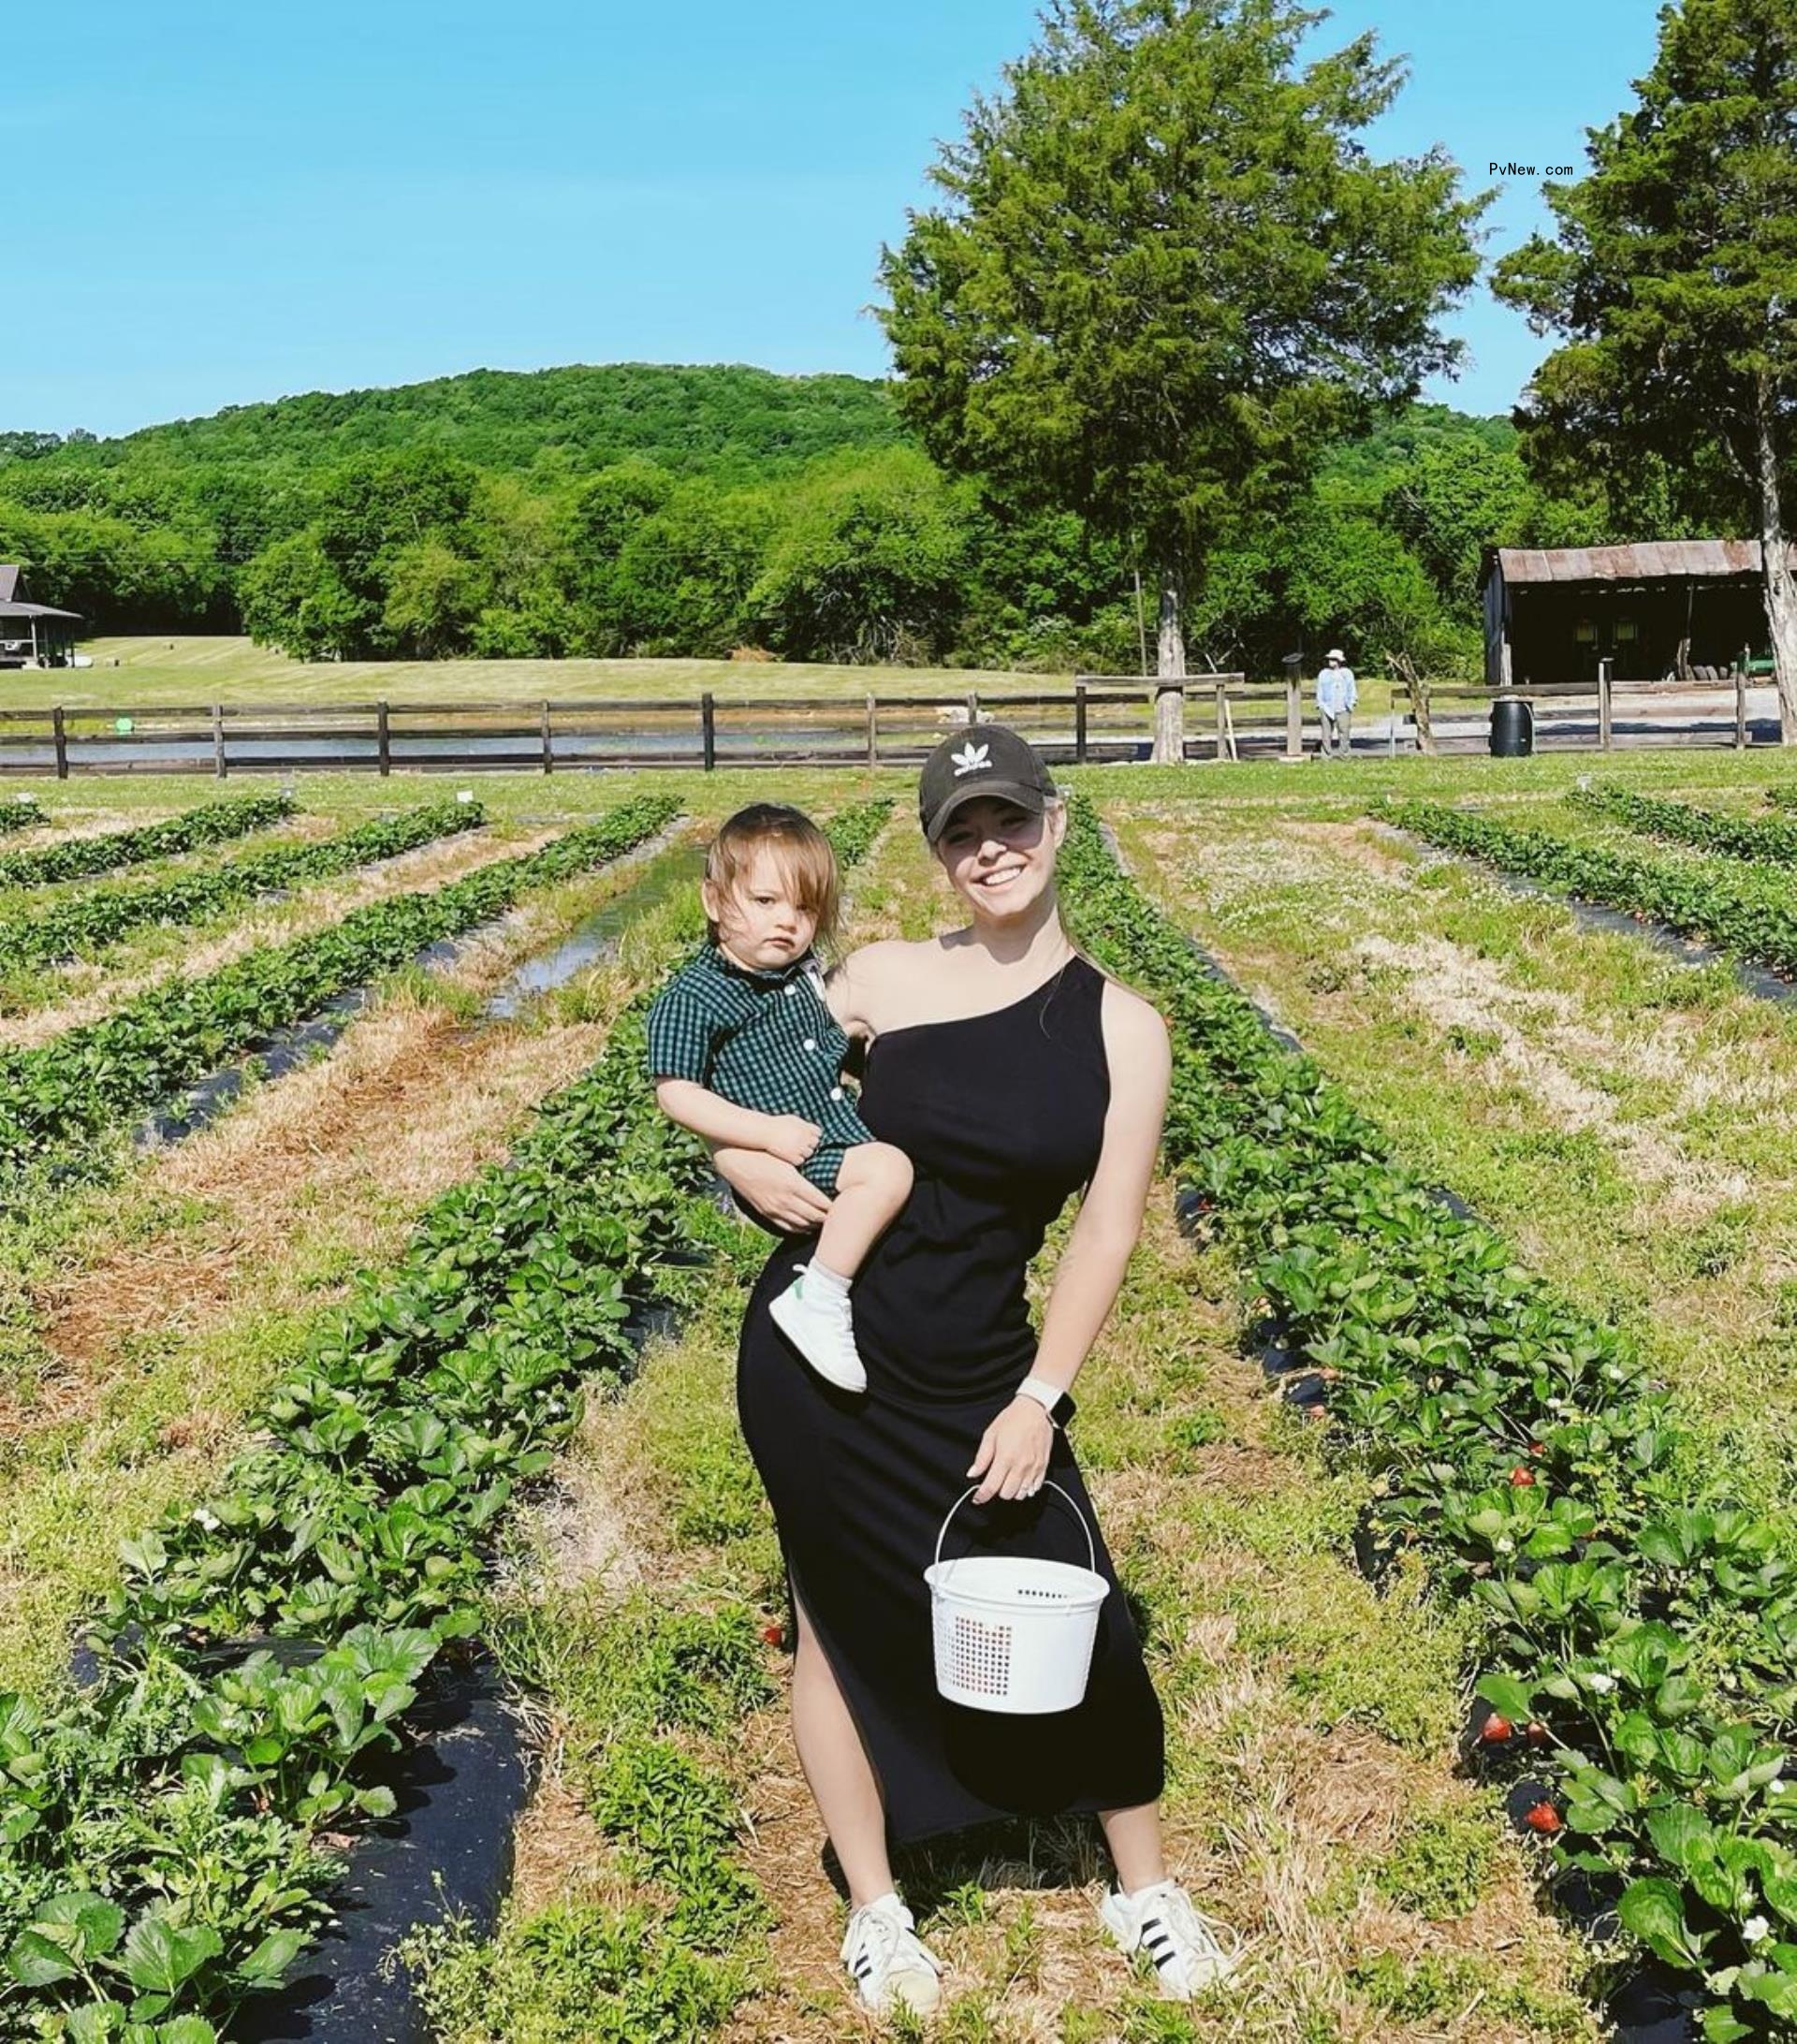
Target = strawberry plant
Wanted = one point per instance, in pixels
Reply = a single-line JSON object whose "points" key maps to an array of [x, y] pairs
{"points": [[175, 1810], [22, 813], [1750, 912], [80, 858], [89, 921], [1638, 1639], [56, 1099], [1770, 839]]}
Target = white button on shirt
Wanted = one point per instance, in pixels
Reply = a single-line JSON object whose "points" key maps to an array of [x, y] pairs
{"points": [[836, 1092], [810, 1042]]}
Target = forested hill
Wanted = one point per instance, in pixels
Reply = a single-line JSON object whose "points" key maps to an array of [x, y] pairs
{"points": [[637, 509], [730, 420]]}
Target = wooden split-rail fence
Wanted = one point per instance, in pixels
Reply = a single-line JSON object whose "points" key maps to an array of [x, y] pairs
{"points": [[1098, 718]]}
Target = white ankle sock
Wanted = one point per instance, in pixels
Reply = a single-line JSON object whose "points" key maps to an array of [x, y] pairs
{"points": [[824, 1283]]}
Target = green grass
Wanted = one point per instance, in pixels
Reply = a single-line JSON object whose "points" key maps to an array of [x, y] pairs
{"points": [[90, 1456], [183, 671], [1622, 1115], [1276, 1661]]}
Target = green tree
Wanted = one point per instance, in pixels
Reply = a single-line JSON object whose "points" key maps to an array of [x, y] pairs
{"points": [[1455, 499], [434, 598], [1166, 274], [869, 564], [684, 573], [291, 597], [1673, 273], [1353, 580]]}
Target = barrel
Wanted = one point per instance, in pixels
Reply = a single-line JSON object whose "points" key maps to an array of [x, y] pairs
{"points": [[1512, 728]]}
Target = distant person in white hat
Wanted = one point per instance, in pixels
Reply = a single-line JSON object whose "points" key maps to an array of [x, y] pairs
{"points": [[1335, 703]]}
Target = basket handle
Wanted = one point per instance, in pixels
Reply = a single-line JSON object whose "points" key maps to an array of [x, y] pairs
{"points": [[1049, 1483]]}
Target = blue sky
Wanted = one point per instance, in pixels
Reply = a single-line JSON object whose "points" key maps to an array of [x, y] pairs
{"points": [[213, 201]]}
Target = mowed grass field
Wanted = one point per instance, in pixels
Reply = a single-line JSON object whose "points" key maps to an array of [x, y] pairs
{"points": [[1620, 1114], [147, 672], [143, 672]]}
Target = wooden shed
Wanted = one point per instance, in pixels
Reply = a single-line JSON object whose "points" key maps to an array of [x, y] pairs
{"points": [[1665, 609], [33, 635]]}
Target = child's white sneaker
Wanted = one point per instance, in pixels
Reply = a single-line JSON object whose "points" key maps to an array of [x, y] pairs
{"points": [[821, 1328], [1164, 1921], [887, 1962]]}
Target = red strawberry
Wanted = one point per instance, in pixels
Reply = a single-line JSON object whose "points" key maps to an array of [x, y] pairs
{"points": [[1534, 1448], [1522, 1478], [1537, 1732], [1545, 1818], [1496, 1729], [774, 1635]]}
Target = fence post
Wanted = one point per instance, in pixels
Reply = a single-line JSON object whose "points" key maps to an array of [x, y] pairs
{"points": [[1294, 716], [59, 732], [1079, 724], [873, 731], [382, 739], [708, 729], [1222, 719], [1740, 707], [548, 748], [973, 705], [1603, 705], [218, 741]]}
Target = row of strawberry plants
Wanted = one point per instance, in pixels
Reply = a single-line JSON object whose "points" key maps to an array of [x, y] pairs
{"points": [[1641, 1639], [86, 922], [1767, 838], [165, 1827], [650, 1695], [22, 813], [1749, 913], [58, 1097], [80, 858]]}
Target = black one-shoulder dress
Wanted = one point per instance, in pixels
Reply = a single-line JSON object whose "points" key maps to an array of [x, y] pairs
{"points": [[1003, 1116]]}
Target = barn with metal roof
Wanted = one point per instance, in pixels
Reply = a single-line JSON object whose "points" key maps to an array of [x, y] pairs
{"points": [[33, 635], [1685, 610]]}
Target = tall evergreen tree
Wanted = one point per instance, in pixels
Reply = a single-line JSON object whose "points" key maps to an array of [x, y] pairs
{"points": [[1165, 275], [1673, 274]]}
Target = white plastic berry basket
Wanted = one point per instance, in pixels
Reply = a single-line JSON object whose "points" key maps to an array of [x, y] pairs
{"points": [[1014, 1634]]}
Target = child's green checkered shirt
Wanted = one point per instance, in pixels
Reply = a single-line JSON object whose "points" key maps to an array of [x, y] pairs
{"points": [[761, 1040]]}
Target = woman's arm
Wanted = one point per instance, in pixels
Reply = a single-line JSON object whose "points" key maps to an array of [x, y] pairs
{"points": [[852, 987], [1014, 1456], [773, 1190]]}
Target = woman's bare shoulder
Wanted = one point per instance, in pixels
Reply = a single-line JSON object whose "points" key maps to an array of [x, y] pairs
{"points": [[1132, 1026], [871, 976]]}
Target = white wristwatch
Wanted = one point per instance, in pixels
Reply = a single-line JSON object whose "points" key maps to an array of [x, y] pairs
{"points": [[1055, 1402]]}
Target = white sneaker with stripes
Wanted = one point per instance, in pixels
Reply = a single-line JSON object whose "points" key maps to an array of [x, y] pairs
{"points": [[822, 1329], [887, 1962], [1164, 1921]]}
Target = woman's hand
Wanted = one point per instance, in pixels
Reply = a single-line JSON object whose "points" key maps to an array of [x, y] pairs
{"points": [[773, 1188], [1014, 1453]]}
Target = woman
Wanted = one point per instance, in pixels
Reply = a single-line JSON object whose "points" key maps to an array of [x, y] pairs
{"points": [[1012, 1073]]}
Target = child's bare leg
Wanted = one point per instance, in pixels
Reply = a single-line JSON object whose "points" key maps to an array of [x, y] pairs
{"points": [[872, 1185]]}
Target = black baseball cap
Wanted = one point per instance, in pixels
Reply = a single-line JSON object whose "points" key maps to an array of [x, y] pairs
{"points": [[986, 760]]}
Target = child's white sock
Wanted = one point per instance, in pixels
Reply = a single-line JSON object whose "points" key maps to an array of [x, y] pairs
{"points": [[823, 1282]]}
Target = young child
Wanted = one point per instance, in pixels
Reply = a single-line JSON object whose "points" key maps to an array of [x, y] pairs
{"points": [[743, 1050]]}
